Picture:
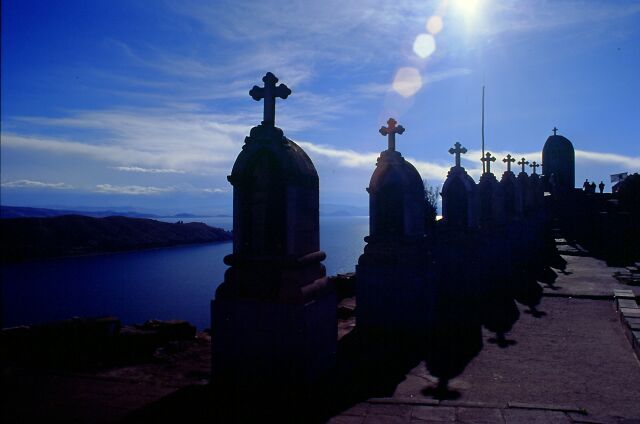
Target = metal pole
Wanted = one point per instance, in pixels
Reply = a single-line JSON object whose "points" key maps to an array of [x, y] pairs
{"points": [[483, 166]]}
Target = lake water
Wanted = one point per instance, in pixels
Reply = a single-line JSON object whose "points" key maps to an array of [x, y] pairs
{"points": [[169, 283]]}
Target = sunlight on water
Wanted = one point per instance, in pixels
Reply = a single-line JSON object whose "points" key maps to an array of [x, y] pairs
{"points": [[407, 82], [424, 45]]}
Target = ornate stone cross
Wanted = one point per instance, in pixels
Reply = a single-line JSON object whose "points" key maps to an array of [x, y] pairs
{"points": [[390, 131], [457, 149], [555, 130], [508, 160], [523, 163], [269, 93], [534, 165], [488, 159]]}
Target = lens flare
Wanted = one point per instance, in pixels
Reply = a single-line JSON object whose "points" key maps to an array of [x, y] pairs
{"points": [[434, 24], [424, 45], [407, 82]]}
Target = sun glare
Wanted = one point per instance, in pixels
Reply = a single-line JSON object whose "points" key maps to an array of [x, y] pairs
{"points": [[467, 8]]}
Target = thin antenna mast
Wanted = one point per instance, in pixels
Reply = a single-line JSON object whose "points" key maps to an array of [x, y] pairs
{"points": [[483, 166]]}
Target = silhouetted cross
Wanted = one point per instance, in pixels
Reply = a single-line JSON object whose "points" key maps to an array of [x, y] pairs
{"points": [[390, 131], [523, 163], [457, 149], [488, 159], [534, 165], [508, 160], [269, 93], [555, 130]]}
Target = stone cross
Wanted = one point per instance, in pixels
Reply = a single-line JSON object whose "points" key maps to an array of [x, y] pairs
{"points": [[555, 130], [269, 93], [508, 160], [523, 163], [534, 165], [457, 149], [390, 131], [488, 159]]}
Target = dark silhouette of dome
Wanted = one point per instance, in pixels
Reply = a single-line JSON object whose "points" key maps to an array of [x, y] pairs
{"points": [[394, 169], [396, 199], [558, 159], [292, 161]]}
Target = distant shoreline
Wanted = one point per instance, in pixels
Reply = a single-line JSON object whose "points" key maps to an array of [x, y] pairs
{"points": [[114, 252], [25, 239]]}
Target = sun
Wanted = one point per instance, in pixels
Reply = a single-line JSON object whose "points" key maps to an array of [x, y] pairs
{"points": [[467, 8]]}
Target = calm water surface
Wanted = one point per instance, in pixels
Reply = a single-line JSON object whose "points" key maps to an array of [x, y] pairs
{"points": [[170, 283]]}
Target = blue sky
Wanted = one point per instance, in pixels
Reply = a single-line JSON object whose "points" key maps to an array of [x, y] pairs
{"points": [[145, 104]]}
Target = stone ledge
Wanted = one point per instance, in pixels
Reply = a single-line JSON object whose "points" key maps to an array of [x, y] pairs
{"points": [[561, 408], [630, 312], [623, 294], [626, 303]]}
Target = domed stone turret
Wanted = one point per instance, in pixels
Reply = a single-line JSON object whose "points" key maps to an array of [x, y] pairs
{"points": [[396, 200], [390, 274], [558, 163], [274, 315], [276, 205]]}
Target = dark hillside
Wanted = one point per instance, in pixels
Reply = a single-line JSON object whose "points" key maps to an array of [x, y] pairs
{"points": [[29, 238]]}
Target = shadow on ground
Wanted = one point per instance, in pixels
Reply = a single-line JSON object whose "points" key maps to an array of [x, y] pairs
{"points": [[371, 364]]}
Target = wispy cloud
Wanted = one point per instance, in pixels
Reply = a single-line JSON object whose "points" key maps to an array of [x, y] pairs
{"points": [[624, 162], [140, 139], [582, 157], [36, 184], [148, 170], [366, 160], [137, 190], [134, 190]]}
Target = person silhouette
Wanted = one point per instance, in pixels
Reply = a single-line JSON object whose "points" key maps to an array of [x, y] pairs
{"points": [[601, 187], [585, 186], [592, 187]]}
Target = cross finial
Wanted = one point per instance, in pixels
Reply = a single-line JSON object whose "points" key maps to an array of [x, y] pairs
{"points": [[508, 160], [457, 149], [269, 93], [555, 130], [488, 158], [523, 163], [390, 131], [534, 165]]}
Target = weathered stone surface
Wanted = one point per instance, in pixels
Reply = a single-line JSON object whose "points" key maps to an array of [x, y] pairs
{"points": [[391, 275], [558, 159], [627, 303], [459, 200], [624, 293], [274, 316], [434, 413], [390, 409], [479, 416], [528, 416], [589, 419], [630, 312], [346, 419], [633, 323]]}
